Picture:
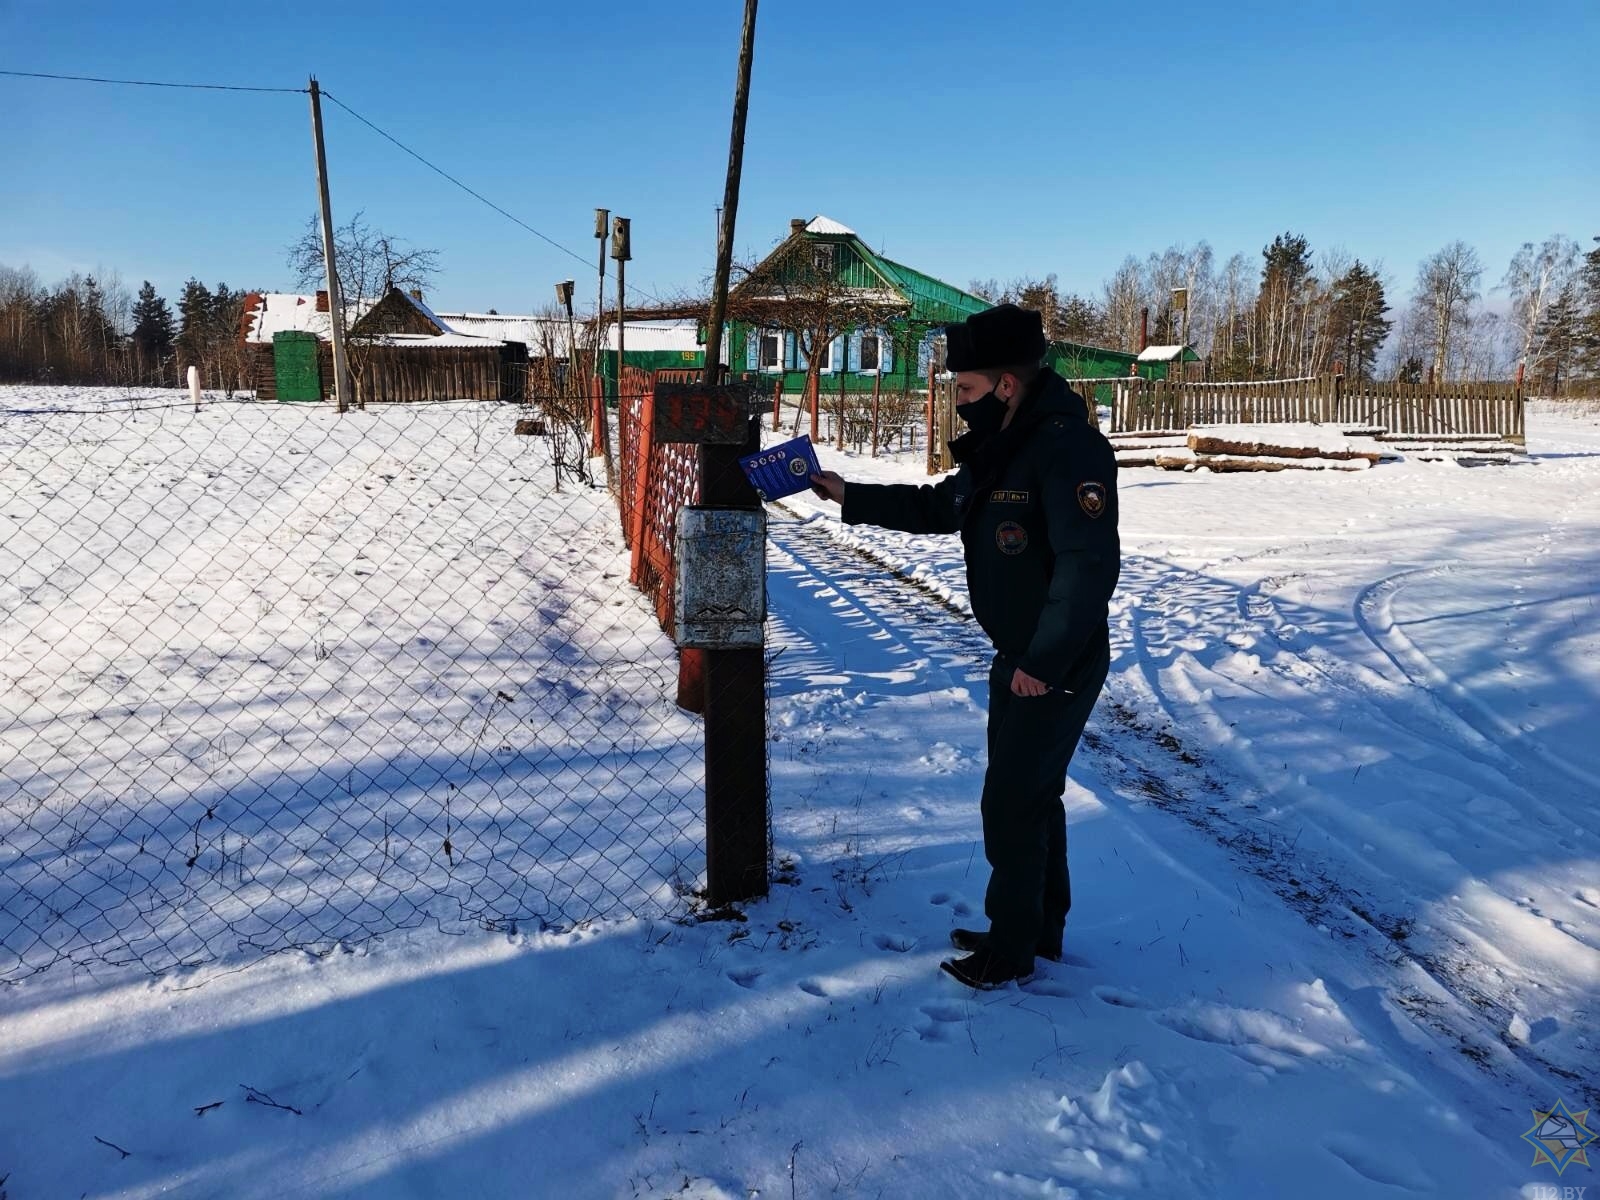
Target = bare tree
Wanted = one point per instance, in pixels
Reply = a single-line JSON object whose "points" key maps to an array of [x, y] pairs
{"points": [[1533, 281], [1123, 298], [1447, 288], [1481, 350], [368, 262]]}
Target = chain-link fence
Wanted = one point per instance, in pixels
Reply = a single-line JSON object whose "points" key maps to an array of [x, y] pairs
{"points": [[275, 676]]}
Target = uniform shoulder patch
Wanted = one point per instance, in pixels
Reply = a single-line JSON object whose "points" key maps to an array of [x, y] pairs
{"points": [[1011, 538], [1092, 499]]}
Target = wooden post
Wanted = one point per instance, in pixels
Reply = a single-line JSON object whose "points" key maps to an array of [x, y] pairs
{"points": [[735, 685], [341, 366], [777, 403], [931, 373], [838, 434], [600, 434], [813, 395], [877, 382]]}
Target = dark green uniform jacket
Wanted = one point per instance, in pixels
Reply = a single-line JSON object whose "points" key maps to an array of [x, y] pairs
{"points": [[1036, 507]]}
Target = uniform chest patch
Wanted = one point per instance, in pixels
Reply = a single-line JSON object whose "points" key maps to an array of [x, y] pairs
{"points": [[1011, 538], [1002, 496], [1092, 498]]}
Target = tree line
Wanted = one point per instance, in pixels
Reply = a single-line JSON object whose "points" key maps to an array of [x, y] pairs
{"points": [[83, 330], [1295, 313]]}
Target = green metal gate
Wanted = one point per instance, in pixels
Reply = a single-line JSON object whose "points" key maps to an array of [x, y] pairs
{"points": [[294, 366]]}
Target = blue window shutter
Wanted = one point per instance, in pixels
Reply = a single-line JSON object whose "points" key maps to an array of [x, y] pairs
{"points": [[839, 362], [791, 352], [752, 349], [854, 343], [885, 351], [925, 354]]}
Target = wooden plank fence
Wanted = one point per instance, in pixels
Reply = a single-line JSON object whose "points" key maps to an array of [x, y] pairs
{"points": [[1418, 410]]}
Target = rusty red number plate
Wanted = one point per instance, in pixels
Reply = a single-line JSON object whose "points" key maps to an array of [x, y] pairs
{"points": [[706, 414]]}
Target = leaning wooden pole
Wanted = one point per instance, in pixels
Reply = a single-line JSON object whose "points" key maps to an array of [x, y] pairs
{"points": [[734, 680], [341, 368]]}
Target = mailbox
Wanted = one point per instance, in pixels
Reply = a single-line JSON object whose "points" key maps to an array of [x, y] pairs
{"points": [[720, 601]]}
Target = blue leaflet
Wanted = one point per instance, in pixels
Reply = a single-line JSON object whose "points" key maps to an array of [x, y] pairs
{"points": [[782, 470]]}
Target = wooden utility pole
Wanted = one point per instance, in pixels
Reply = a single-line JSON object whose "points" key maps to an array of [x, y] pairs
{"points": [[600, 439], [622, 251], [341, 368], [735, 679]]}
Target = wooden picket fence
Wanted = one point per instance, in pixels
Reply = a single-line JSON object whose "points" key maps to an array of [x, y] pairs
{"points": [[1418, 410]]}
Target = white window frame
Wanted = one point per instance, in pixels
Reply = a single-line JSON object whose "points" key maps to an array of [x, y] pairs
{"points": [[826, 366], [761, 351], [827, 250]]}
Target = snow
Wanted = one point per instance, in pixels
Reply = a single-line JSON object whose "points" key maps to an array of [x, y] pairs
{"points": [[281, 312], [1161, 353], [317, 646], [437, 341], [1328, 440], [536, 332], [1336, 925], [827, 225], [286, 312]]}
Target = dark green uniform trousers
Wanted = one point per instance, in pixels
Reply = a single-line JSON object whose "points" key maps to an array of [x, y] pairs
{"points": [[1031, 742]]}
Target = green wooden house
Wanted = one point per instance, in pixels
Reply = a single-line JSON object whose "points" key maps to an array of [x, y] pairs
{"points": [[882, 316]]}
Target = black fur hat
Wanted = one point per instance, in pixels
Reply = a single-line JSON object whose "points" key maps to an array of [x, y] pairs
{"points": [[1003, 336]]}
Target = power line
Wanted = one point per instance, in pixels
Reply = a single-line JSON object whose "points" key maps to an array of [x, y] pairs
{"points": [[231, 87], [209, 87], [438, 170]]}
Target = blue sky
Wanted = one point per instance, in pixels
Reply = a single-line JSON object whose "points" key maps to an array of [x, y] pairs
{"points": [[969, 140]]}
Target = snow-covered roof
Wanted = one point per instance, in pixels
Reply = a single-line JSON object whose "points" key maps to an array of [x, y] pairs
{"points": [[288, 312], [822, 224], [1161, 353], [887, 297], [284, 312], [659, 335], [533, 332], [434, 341], [548, 335]]}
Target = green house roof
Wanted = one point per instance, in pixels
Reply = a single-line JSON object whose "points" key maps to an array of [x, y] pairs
{"points": [[930, 301]]}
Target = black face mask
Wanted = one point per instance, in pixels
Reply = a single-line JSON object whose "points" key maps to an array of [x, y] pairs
{"points": [[983, 415]]}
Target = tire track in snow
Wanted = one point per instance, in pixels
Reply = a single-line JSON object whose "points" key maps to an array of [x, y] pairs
{"points": [[1374, 614], [1443, 988]]}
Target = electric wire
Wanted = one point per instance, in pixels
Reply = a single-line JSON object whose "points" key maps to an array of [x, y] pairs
{"points": [[438, 170], [389, 137], [209, 87]]}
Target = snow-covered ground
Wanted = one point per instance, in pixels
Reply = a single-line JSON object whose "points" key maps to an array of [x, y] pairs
{"points": [[256, 648], [1335, 931]]}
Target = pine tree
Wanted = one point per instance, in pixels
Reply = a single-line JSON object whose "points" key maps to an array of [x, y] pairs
{"points": [[225, 349], [1285, 279], [1080, 320], [152, 332], [195, 308], [1360, 326], [1558, 336], [1588, 319]]}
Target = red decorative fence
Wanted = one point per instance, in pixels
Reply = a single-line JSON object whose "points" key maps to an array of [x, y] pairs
{"points": [[654, 480]]}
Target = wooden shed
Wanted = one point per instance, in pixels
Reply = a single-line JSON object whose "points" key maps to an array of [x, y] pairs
{"points": [[399, 349]]}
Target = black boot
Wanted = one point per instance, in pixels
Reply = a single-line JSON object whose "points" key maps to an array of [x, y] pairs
{"points": [[983, 971], [969, 941]]}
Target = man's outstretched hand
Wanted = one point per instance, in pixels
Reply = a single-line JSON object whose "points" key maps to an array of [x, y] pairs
{"points": [[828, 485]]}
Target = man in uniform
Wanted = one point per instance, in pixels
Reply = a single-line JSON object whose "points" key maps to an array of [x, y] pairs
{"points": [[1035, 502]]}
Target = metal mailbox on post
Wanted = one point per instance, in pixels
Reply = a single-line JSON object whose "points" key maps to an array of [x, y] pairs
{"points": [[720, 602]]}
